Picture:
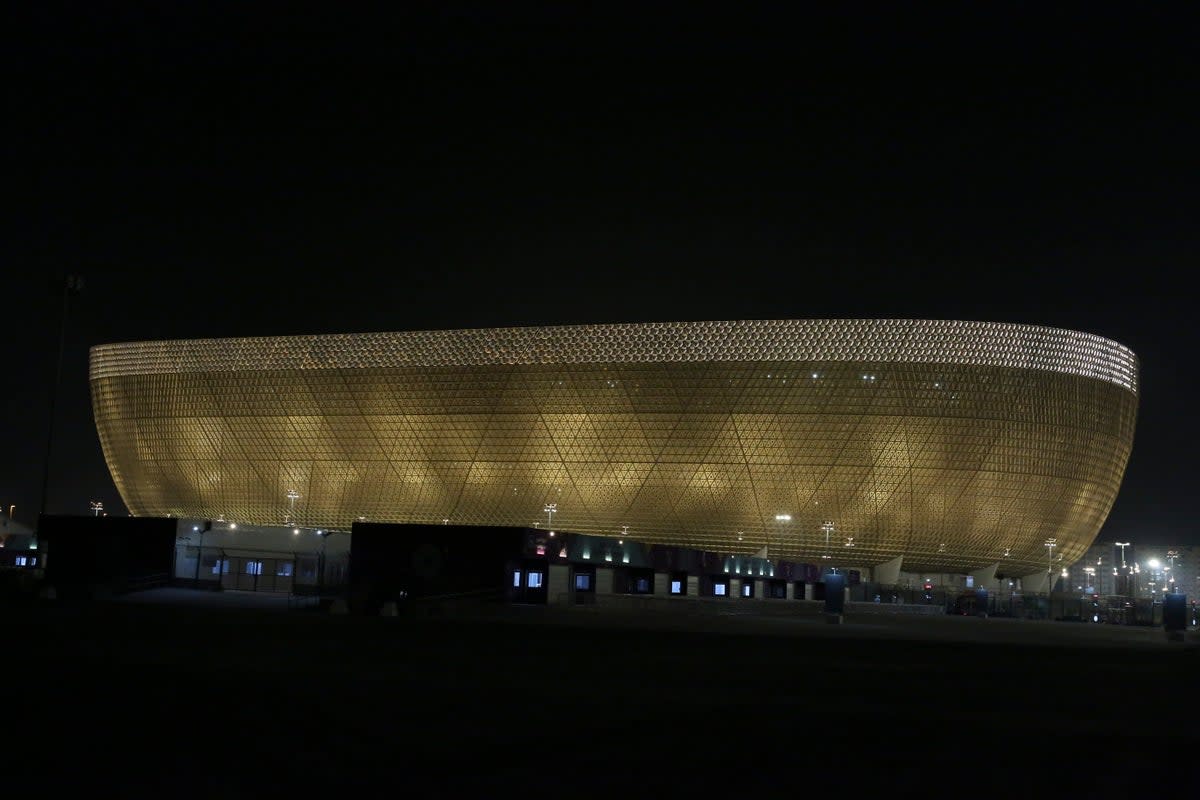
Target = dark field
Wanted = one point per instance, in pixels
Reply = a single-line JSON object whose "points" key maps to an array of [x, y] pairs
{"points": [[528, 701]]}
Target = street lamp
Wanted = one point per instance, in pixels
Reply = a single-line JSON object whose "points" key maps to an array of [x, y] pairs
{"points": [[97, 507], [1122, 545], [783, 518], [1050, 543], [550, 509], [292, 497], [827, 526]]}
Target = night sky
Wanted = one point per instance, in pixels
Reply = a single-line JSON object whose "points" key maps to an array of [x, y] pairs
{"points": [[256, 169]]}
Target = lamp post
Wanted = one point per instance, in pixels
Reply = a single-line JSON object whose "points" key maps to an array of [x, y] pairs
{"points": [[72, 284], [199, 555], [1122, 545], [97, 507], [292, 497], [1050, 543], [551, 509], [780, 518], [827, 526]]}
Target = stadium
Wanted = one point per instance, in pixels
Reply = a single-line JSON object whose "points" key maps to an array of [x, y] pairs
{"points": [[945, 445]]}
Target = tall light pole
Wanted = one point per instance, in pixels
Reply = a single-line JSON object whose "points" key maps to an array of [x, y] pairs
{"points": [[781, 518], [550, 509], [1050, 543], [97, 507], [827, 526], [292, 497], [1122, 545], [72, 284]]}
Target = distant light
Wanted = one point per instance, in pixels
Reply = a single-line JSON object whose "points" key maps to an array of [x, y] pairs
{"points": [[233, 526], [295, 531], [551, 533], [195, 528], [783, 517], [1154, 563], [816, 375], [318, 531]]}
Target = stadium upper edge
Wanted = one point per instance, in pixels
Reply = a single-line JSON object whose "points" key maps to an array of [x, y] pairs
{"points": [[998, 344]]}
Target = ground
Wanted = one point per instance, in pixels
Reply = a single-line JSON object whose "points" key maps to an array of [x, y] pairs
{"points": [[240, 698]]}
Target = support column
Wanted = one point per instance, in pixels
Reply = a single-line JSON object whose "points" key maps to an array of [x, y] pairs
{"points": [[1037, 582], [985, 577], [887, 573], [791, 590], [735, 588], [662, 584]]}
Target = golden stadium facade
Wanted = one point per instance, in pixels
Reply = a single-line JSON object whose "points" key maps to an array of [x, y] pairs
{"points": [[954, 444]]}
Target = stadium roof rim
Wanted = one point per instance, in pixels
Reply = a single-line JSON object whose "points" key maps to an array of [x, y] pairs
{"points": [[953, 342]]}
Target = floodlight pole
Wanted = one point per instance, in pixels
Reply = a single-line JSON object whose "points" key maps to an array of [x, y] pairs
{"points": [[71, 284]]}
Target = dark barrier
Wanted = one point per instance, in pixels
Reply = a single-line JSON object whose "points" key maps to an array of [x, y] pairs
{"points": [[403, 562], [91, 558], [1175, 613], [835, 595]]}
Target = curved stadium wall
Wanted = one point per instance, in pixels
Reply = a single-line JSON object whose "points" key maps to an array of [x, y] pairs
{"points": [[954, 444]]}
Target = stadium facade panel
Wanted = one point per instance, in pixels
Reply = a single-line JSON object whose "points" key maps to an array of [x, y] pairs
{"points": [[954, 444]]}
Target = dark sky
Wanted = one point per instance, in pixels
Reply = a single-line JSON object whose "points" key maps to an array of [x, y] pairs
{"points": [[255, 169]]}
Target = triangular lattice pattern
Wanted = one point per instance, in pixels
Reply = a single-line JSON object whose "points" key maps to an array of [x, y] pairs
{"points": [[949, 443]]}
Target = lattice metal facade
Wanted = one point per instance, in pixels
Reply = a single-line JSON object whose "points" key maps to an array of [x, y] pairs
{"points": [[955, 444]]}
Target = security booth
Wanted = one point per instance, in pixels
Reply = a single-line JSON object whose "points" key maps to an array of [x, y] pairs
{"points": [[676, 568], [714, 586], [677, 584], [638, 580], [776, 589], [530, 582], [583, 579]]}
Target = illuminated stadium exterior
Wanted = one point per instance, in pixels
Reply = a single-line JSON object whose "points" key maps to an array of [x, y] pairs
{"points": [[956, 445]]}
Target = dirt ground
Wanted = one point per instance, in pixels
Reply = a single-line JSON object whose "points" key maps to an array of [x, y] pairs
{"points": [[189, 699]]}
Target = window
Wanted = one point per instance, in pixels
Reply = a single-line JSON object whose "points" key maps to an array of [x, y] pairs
{"points": [[583, 582], [676, 587], [534, 581], [641, 585], [719, 589], [517, 579], [747, 589], [254, 568], [20, 561], [284, 569]]}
